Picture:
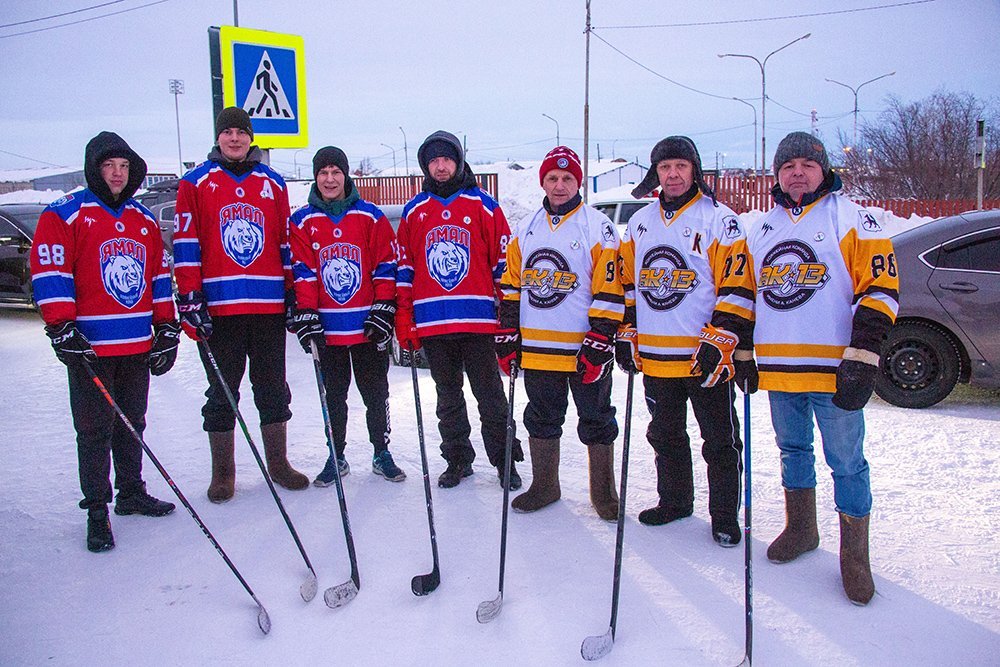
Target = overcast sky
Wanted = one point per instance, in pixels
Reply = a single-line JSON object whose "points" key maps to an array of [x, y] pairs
{"points": [[486, 70]]}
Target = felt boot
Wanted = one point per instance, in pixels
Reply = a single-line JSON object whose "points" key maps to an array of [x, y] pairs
{"points": [[276, 452], [603, 495], [544, 489], [223, 484], [800, 534]]}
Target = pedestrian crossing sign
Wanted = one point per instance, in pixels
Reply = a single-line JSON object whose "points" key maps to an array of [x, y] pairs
{"points": [[264, 73]]}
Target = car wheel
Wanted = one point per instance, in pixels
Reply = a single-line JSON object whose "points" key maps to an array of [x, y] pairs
{"points": [[920, 366]]}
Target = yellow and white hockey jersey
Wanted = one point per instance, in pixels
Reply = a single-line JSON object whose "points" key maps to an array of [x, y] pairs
{"points": [[813, 268], [562, 271], [679, 269]]}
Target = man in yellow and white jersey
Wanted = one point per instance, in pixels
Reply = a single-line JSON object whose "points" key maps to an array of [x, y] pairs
{"points": [[562, 304], [688, 297], [826, 295]]}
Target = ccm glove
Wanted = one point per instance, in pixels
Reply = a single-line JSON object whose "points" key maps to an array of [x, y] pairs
{"points": [[306, 325], [378, 326], [855, 379], [627, 349], [193, 311], [507, 343], [406, 330], [166, 338], [745, 376], [595, 357], [713, 360], [71, 346]]}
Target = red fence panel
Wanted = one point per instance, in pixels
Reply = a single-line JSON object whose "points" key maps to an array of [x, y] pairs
{"points": [[401, 189]]}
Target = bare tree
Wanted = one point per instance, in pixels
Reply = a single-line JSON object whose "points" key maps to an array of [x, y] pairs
{"points": [[365, 167], [923, 150]]}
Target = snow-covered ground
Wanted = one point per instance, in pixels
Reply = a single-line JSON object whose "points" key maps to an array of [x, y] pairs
{"points": [[164, 597]]}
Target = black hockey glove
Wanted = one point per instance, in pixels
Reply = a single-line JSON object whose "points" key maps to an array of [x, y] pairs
{"points": [[306, 325], [290, 304], [855, 379], [378, 326], [595, 357], [507, 344], [627, 349], [193, 311], [71, 346], [745, 375], [166, 338]]}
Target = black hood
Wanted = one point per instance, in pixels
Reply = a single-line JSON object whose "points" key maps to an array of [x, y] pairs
{"points": [[108, 145], [447, 137]]}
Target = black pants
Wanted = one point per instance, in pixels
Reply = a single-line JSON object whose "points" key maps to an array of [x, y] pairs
{"points": [[100, 433], [236, 338], [448, 356], [548, 399], [716, 415], [370, 372]]}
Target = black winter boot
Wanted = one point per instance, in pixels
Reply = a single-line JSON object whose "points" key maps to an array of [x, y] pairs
{"points": [[515, 478], [137, 501], [99, 537], [663, 514], [453, 474], [726, 531]]}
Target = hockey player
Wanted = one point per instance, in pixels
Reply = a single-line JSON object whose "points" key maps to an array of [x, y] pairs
{"points": [[826, 296], [344, 263], [232, 269], [102, 283], [452, 252], [688, 309], [561, 307]]}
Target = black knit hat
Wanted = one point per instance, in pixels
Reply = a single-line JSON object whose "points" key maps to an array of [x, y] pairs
{"points": [[330, 156], [233, 117], [804, 145], [672, 148]]}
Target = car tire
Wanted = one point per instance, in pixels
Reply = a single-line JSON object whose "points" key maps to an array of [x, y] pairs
{"points": [[920, 366]]}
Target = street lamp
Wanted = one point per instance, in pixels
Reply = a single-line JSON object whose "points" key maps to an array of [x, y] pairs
{"points": [[754, 109], [406, 154], [855, 90], [393, 158], [177, 88], [558, 143], [295, 161], [763, 94]]}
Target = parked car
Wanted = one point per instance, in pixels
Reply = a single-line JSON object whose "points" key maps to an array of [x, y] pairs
{"points": [[17, 229], [949, 303], [620, 210]]}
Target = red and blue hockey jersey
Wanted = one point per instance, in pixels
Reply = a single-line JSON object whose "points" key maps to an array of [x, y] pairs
{"points": [[105, 269]]}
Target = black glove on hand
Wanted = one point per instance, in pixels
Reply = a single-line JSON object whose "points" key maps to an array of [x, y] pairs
{"points": [[745, 375], [507, 344], [627, 349], [378, 326], [166, 338], [855, 384], [306, 325], [193, 311], [71, 346], [290, 303], [595, 357]]}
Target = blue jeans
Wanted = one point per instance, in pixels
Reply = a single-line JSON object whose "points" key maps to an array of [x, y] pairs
{"points": [[843, 434]]}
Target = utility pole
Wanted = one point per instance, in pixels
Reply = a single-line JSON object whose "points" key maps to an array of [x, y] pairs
{"points": [[586, 112], [558, 142], [393, 158], [236, 13], [406, 154], [980, 161], [754, 109], [177, 88]]}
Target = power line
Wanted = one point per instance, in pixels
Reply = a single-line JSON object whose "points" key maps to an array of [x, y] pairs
{"points": [[92, 18], [25, 157], [55, 16]]}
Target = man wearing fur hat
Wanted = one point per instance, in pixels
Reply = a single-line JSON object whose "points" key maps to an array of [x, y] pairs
{"points": [[688, 316], [232, 269], [344, 263], [826, 295], [562, 304], [102, 283], [452, 251]]}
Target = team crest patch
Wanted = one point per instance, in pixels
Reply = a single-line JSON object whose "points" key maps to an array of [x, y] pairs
{"points": [[242, 227], [731, 224], [869, 223], [665, 278], [447, 248], [340, 270], [123, 270], [547, 278]]}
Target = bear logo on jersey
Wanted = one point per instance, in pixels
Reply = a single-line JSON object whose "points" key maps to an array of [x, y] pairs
{"points": [[790, 275], [242, 227], [123, 270], [340, 268], [447, 249], [665, 278], [547, 278]]}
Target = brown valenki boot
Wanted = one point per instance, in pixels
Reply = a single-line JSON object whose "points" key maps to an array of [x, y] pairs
{"points": [[544, 489], [603, 496], [223, 484], [800, 534], [275, 438], [855, 568]]}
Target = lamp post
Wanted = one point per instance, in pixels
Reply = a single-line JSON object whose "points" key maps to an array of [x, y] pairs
{"points": [[406, 154], [295, 161], [393, 158], [754, 109], [855, 89], [177, 88], [763, 93], [558, 143]]}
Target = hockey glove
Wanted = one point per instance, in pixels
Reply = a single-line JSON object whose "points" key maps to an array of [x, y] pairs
{"points": [[306, 325], [745, 375], [595, 357], [193, 311], [713, 360], [856, 379], [290, 305], [378, 326], [166, 338], [406, 330], [627, 349], [71, 346], [507, 343]]}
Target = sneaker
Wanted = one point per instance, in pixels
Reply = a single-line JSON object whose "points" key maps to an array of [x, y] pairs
{"points": [[726, 532], [454, 474], [99, 537], [382, 464], [140, 502], [325, 478], [515, 478]]}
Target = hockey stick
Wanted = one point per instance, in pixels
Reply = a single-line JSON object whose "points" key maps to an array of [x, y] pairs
{"points": [[263, 620], [341, 594], [598, 646], [308, 588], [747, 548], [422, 584], [490, 609]]}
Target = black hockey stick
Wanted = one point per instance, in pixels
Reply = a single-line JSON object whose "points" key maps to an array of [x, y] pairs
{"points": [[747, 547], [308, 588], [263, 620], [598, 646], [490, 609], [422, 584], [341, 594]]}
